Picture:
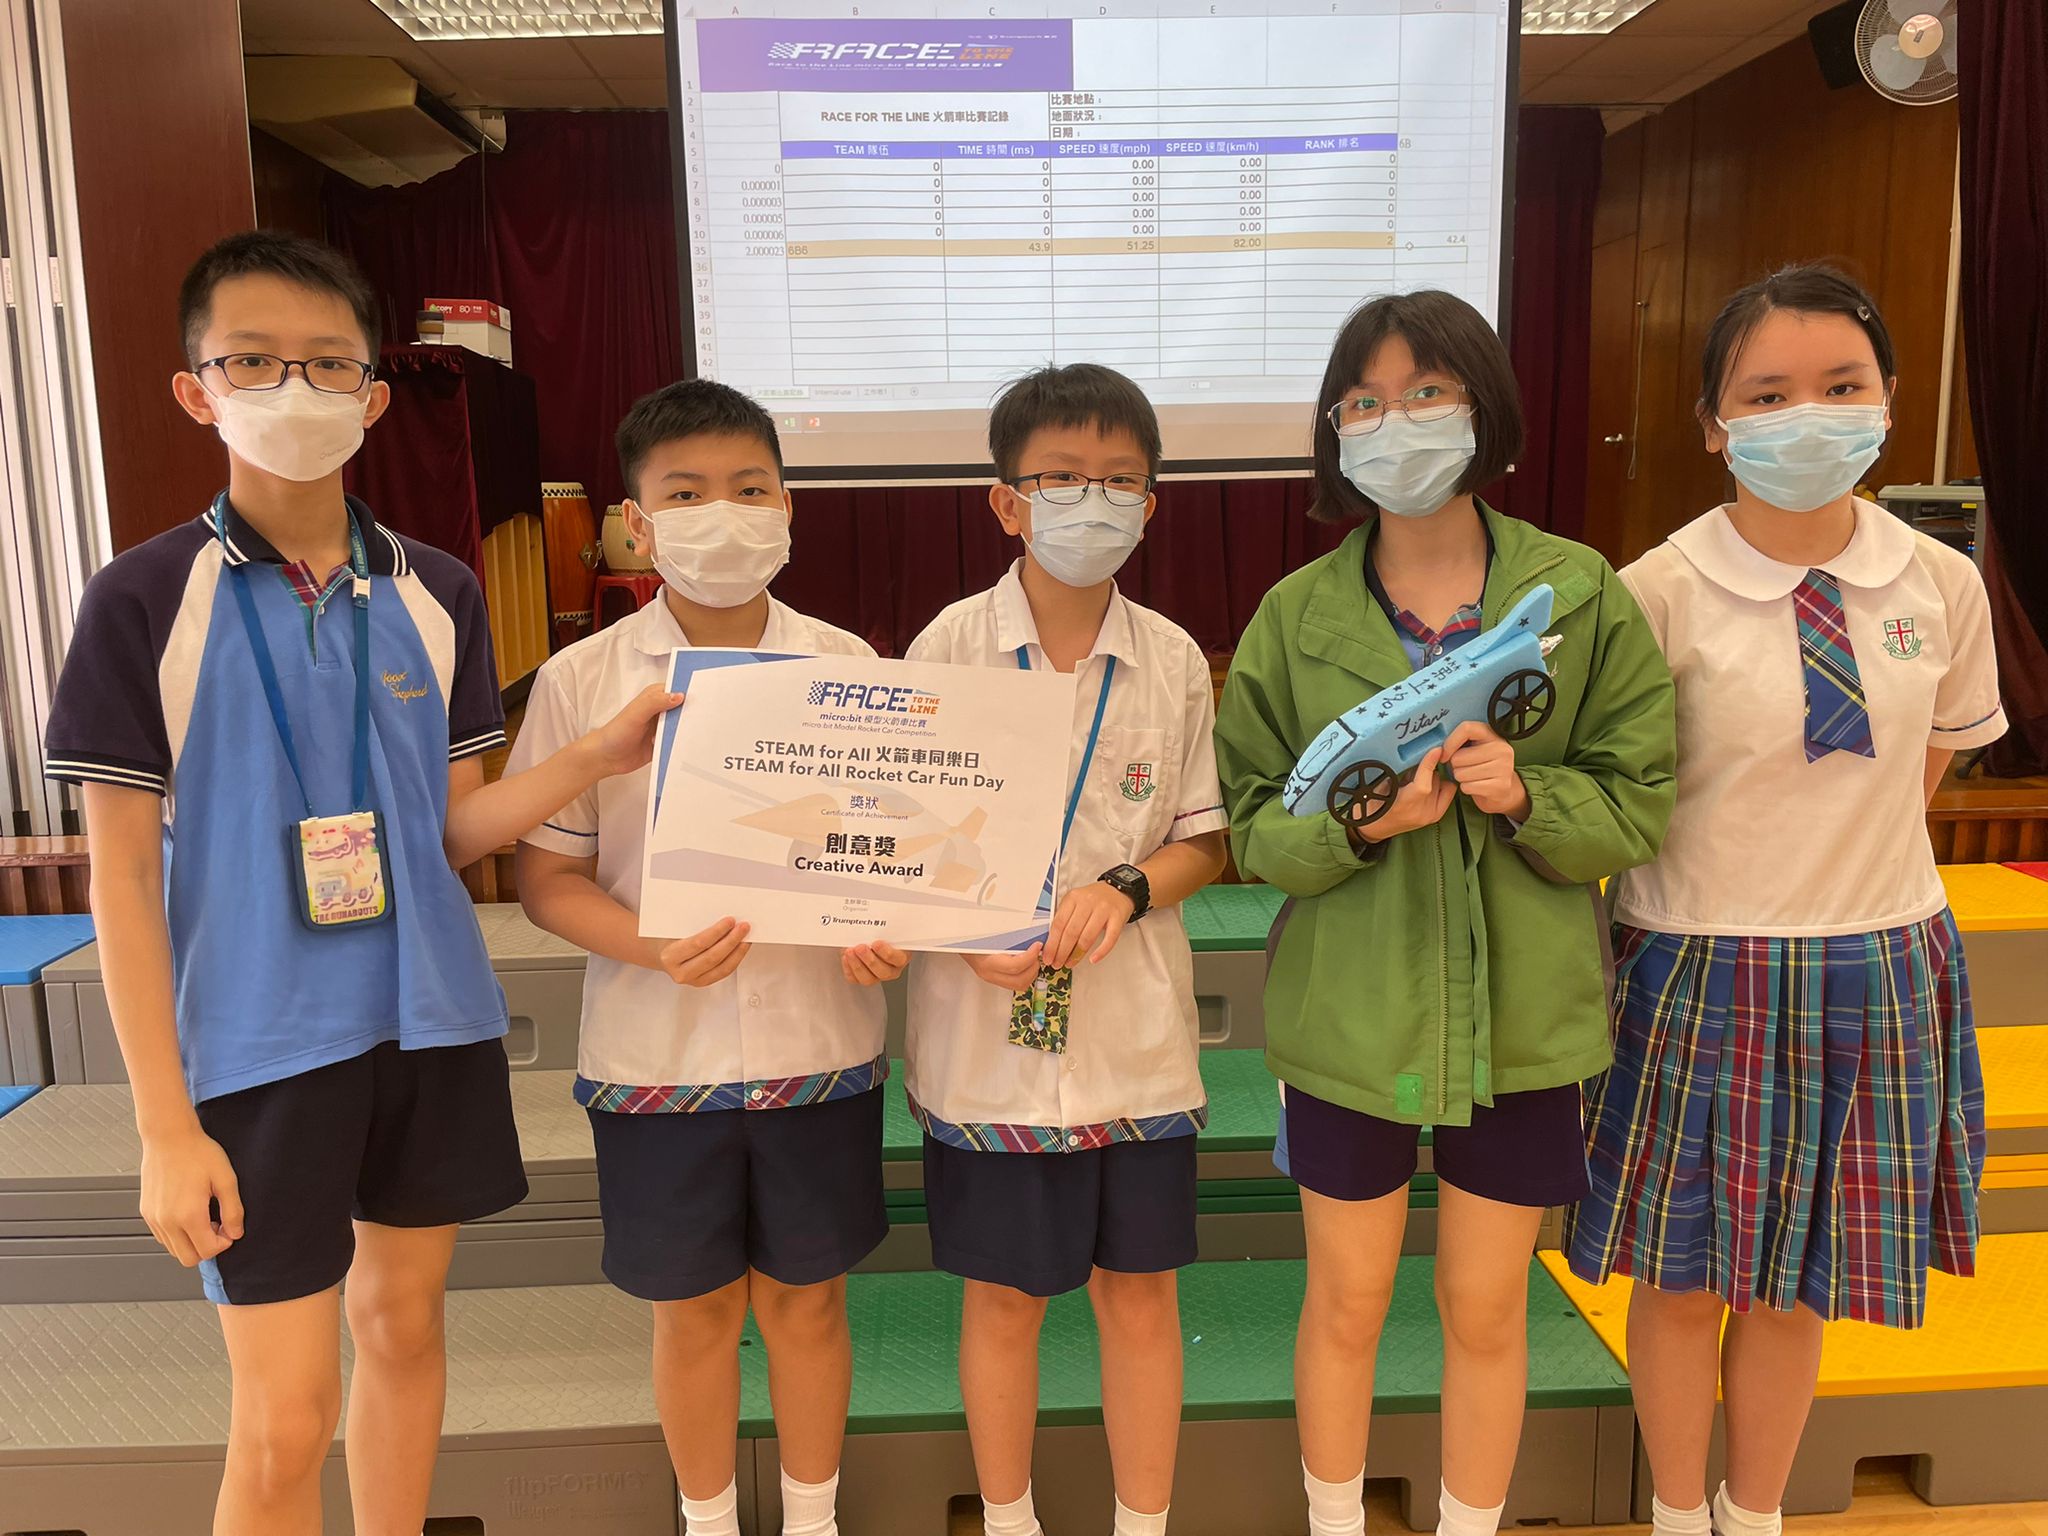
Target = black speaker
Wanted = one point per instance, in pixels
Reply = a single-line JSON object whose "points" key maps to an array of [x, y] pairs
{"points": [[1833, 34]]}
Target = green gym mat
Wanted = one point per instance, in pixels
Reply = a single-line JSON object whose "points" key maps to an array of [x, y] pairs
{"points": [[1237, 1322], [1213, 1197], [1244, 1108], [1230, 917]]}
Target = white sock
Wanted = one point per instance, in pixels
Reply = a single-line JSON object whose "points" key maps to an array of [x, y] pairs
{"points": [[1015, 1519], [810, 1509], [1666, 1521], [714, 1517], [1457, 1518], [1130, 1523], [1335, 1509], [1731, 1519]]}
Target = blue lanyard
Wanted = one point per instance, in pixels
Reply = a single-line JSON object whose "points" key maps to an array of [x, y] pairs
{"points": [[1087, 753], [266, 669]]}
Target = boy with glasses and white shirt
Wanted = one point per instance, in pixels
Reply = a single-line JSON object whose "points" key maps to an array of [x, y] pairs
{"points": [[1059, 1089]]}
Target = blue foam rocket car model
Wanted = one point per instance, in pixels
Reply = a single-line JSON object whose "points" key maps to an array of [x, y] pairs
{"points": [[1353, 769]]}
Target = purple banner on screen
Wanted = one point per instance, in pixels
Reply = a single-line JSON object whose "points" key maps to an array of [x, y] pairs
{"points": [[1081, 149], [791, 54]]}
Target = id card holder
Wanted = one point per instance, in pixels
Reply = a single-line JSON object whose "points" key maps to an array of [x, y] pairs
{"points": [[339, 864], [1038, 1015]]}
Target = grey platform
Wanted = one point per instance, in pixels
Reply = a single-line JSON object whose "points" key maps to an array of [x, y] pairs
{"points": [[541, 974], [70, 1175], [1960, 1447], [29, 946], [543, 981], [2006, 967], [70, 1181], [550, 1424]]}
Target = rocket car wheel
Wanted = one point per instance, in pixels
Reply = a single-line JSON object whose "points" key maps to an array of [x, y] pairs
{"points": [[1363, 793], [1522, 703]]}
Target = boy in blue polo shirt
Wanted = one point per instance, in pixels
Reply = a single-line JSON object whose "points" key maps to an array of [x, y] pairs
{"points": [[277, 712]]}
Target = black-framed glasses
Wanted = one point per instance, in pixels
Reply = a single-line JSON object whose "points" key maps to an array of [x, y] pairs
{"points": [[1360, 413], [259, 370], [1069, 488]]}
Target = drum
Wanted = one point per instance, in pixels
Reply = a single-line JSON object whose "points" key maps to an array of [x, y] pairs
{"points": [[571, 542], [623, 552]]}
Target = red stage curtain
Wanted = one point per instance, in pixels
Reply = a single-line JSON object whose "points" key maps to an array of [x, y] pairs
{"points": [[882, 563], [573, 229], [453, 457], [2003, 62], [1550, 321]]}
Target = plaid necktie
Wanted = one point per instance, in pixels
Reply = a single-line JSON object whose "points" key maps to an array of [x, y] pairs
{"points": [[1837, 719]]}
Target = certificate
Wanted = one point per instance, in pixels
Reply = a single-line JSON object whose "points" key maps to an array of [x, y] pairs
{"points": [[838, 800]]}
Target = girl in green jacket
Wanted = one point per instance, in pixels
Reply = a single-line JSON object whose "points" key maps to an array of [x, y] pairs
{"points": [[1445, 964]]}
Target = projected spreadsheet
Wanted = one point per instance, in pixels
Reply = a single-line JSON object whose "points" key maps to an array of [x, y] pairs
{"points": [[894, 211]]}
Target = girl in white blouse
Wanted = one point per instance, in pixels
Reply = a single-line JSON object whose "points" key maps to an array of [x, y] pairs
{"points": [[1793, 1129]]}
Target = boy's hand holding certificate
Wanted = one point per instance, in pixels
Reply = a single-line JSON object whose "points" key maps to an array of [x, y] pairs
{"points": [[835, 800]]}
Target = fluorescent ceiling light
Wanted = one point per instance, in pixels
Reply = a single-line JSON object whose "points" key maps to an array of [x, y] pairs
{"points": [[1555, 18], [443, 21]]}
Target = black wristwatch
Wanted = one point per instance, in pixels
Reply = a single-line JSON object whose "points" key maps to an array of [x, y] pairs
{"points": [[1129, 880]]}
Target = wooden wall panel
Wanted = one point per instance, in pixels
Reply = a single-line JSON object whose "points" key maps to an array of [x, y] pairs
{"points": [[1762, 167], [1614, 274], [160, 152]]}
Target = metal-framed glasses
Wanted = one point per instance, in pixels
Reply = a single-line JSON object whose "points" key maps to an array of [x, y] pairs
{"points": [[259, 370], [1355, 415], [1069, 488]]}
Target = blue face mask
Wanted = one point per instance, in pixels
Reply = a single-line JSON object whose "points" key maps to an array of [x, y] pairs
{"points": [[1804, 457], [1086, 543], [1410, 468]]}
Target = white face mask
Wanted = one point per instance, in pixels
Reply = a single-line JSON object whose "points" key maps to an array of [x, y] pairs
{"points": [[1409, 468], [720, 553], [295, 431], [1086, 543]]}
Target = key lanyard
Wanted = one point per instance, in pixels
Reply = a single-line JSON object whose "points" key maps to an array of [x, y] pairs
{"points": [[266, 669], [1087, 759]]}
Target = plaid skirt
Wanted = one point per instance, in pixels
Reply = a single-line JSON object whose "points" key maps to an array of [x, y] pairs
{"points": [[1787, 1120]]}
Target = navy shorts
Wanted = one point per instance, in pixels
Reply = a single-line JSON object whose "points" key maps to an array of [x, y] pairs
{"points": [[1042, 1222], [394, 1137], [1528, 1149], [691, 1202]]}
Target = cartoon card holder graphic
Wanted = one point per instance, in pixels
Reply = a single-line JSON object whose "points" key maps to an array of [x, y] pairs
{"points": [[1039, 1014], [340, 864]]}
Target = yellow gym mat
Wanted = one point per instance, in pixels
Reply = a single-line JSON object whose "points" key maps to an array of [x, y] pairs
{"points": [[2015, 1076], [2019, 1171], [1989, 898], [1991, 1331]]}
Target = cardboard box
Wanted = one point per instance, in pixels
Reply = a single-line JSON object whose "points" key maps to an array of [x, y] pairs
{"points": [[482, 325]]}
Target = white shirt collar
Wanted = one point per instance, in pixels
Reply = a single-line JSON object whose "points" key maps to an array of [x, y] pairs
{"points": [[656, 632], [1015, 626], [1879, 551]]}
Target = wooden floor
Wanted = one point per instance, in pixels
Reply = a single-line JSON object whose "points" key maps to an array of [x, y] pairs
{"points": [[1885, 1506]]}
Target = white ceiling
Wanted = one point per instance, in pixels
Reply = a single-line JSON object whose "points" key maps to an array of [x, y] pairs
{"points": [[522, 72], [1670, 50]]}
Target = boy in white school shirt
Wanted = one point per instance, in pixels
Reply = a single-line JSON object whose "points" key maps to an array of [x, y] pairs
{"points": [[1060, 1103], [709, 1207]]}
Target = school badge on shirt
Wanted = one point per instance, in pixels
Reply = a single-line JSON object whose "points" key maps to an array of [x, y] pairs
{"points": [[1899, 639], [1138, 782]]}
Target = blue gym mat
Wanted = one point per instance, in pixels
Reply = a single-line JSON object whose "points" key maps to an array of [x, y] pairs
{"points": [[27, 944]]}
